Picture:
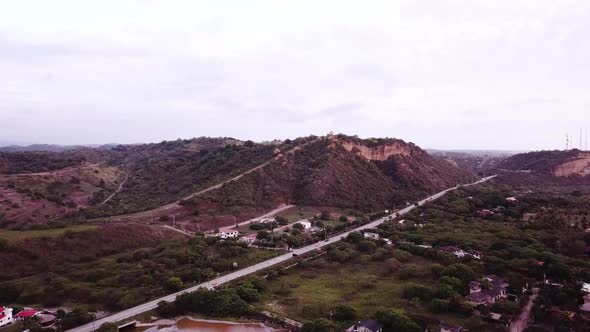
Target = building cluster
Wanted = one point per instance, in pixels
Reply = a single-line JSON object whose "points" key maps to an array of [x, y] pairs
{"points": [[46, 319], [460, 253], [375, 236], [373, 325], [487, 291]]}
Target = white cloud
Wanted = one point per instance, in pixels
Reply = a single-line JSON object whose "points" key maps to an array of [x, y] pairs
{"points": [[444, 74]]}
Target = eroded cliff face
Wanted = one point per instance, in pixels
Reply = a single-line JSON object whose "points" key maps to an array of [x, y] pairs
{"points": [[379, 152], [579, 166]]}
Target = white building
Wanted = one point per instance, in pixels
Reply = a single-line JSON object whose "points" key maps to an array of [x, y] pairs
{"points": [[306, 224], [232, 233], [6, 316], [267, 220], [371, 235]]}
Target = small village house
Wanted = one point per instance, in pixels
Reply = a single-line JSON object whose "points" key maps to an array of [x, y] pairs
{"points": [[26, 314], [232, 233], [371, 235], [6, 316], [474, 254], [306, 224], [498, 289], [370, 325], [453, 250]]}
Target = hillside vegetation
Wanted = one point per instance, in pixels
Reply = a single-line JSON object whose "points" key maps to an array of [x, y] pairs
{"points": [[336, 171], [341, 171]]}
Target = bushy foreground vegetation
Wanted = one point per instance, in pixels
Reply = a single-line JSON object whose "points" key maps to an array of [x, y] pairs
{"points": [[118, 279], [369, 277]]}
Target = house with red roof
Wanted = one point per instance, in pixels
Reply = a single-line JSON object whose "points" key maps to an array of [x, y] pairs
{"points": [[6, 316], [27, 313]]}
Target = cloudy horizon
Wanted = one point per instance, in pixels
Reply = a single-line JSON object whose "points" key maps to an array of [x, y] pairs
{"points": [[504, 75]]}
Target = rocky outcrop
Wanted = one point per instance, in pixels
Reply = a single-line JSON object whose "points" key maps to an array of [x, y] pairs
{"points": [[378, 152], [578, 166]]}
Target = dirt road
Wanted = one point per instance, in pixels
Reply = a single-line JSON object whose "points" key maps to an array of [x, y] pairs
{"points": [[522, 322]]}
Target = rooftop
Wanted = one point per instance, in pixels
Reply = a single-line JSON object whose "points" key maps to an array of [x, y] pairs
{"points": [[27, 313], [370, 324]]}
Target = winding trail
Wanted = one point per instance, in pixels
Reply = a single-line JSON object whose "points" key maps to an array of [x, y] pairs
{"points": [[176, 204], [116, 191]]}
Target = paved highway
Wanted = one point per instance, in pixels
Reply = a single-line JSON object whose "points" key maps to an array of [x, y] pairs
{"points": [[254, 268]]}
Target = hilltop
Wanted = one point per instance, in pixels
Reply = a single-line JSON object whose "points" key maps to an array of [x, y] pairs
{"points": [[338, 171], [161, 178], [556, 170]]}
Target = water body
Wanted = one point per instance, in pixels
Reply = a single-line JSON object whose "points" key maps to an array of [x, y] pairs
{"points": [[196, 325]]}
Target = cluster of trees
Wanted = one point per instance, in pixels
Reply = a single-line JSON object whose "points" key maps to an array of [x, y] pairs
{"points": [[64, 320], [227, 302], [523, 252], [34, 162], [296, 236], [122, 280]]}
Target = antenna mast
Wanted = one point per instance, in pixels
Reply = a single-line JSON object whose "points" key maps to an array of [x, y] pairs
{"points": [[581, 147]]}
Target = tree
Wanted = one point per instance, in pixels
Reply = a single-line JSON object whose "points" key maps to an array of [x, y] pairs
{"points": [[76, 317], [166, 309], [298, 226], [344, 313], [262, 235], [445, 292], [108, 327], [412, 290], [439, 305], [319, 325], [460, 271], [453, 282], [343, 218], [354, 237], [396, 320], [173, 283], [281, 220]]}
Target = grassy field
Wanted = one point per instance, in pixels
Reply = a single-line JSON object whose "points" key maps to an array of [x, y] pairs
{"points": [[299, 212], [13, 236], [311, 292]]}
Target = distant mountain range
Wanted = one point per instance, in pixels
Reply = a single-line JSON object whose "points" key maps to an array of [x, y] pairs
{"points": [[50, 147]]}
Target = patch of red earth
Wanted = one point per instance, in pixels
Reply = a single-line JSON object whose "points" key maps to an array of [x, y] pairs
{"points": [[19, 207]]}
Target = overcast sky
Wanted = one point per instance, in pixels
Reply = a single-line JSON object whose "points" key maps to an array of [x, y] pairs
{"points": [[443, 74]]}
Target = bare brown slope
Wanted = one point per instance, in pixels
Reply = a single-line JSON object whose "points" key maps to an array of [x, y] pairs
{"points": [[541, 162], [341, 171], [560, 171]]}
